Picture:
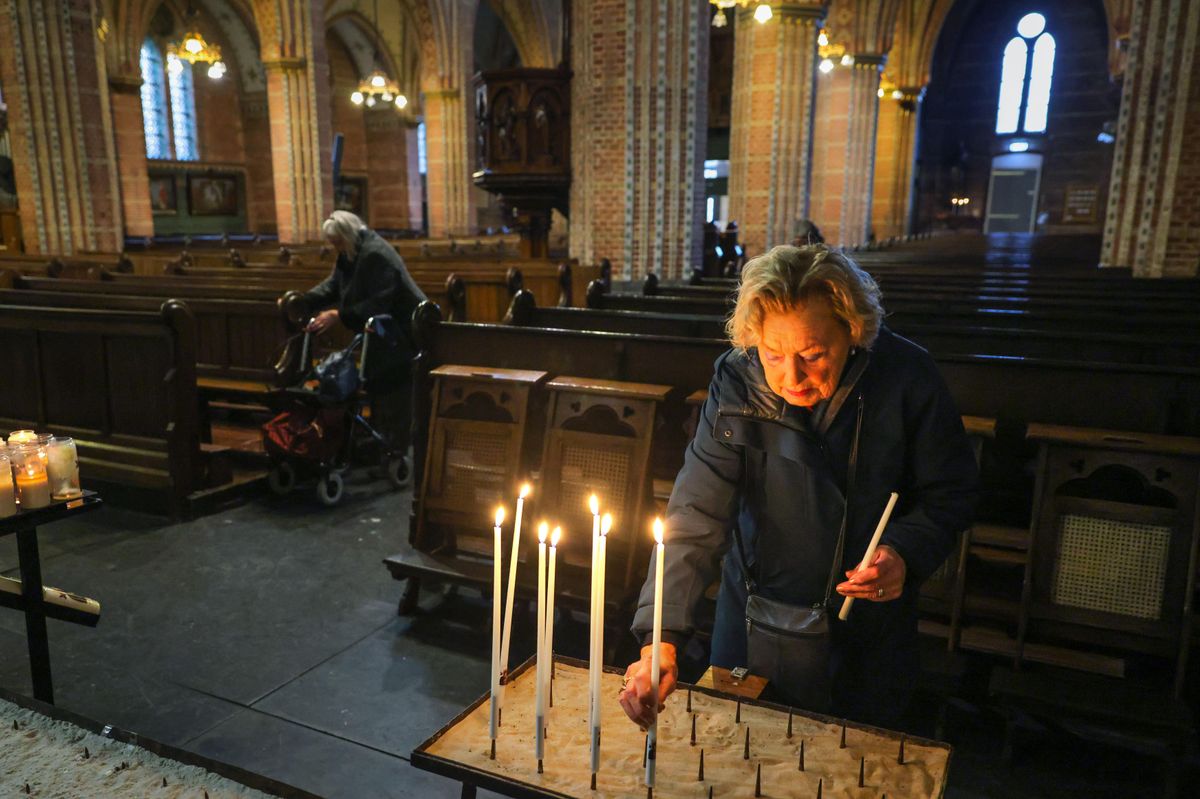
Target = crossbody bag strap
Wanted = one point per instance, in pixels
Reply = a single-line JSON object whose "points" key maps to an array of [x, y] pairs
{"points": [[747, 578], [851, 473]]}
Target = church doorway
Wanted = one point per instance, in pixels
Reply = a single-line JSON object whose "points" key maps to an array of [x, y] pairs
{"points": [[1013, 193]]}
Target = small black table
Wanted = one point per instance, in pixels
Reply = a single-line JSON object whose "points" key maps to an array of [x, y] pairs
{"points": [[25, 525]]}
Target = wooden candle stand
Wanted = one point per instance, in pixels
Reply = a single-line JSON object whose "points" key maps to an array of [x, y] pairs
{"points": [[460, 750]]}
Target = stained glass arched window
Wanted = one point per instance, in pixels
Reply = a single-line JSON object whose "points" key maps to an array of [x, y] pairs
{"points": [[154, 102], [183, 108], [1024, 81], [422, 164]]}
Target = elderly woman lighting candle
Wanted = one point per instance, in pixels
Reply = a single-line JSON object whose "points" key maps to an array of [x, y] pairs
{"points": [[770, 481]]}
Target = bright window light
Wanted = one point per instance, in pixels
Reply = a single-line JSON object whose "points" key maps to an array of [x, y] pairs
{"points": [[422, 164], [154, 102], [1041, 74], [712, 209], [1018, 146], [1031, 25], [183, 108], [1012, 86]]}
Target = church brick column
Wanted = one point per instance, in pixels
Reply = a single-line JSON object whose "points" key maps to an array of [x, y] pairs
{"points": [[638, 131], [844, 127], [260, 182], [771, 123], [298, 98], [125, 94], [449, 162], [60, 126], [1152, 223], [895, 152], [387, 170]]}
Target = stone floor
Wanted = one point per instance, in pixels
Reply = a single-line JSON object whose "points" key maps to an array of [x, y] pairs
{"points": [[267, 637]]}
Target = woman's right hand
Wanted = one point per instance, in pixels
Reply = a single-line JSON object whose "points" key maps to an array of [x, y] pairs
{"points": [[323, 321], [640, 702]]}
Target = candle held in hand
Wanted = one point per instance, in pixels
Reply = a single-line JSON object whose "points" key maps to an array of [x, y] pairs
{"points": [[656, 646]]}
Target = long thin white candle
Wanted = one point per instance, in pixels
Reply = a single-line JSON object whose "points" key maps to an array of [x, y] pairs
{"points": [[870, 554], [539, 712], [512, 589], [593, 648], [656, 645], [497, 573], [554, 538]]}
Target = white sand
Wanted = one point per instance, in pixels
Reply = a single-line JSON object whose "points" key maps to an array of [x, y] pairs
{"points": [[48, 756], [621, 773]]}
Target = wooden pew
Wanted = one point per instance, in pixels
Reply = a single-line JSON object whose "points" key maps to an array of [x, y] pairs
{"points": [[121, 383]]}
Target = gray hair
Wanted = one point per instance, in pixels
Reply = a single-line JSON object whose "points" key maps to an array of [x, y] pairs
{"points": [[786, 276], [345, 226]]}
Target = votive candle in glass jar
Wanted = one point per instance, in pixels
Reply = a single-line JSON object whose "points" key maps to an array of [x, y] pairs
{"points": [[8, 494], [18, 437], [33, 485], [62, 466]]}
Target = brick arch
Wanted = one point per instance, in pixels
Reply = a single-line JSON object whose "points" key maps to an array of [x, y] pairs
{"points": [[535, 26], [917, 28], [351, 28], [863, 26]]}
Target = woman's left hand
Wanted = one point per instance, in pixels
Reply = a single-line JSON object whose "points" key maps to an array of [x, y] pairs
{"points": [[882, 581]]}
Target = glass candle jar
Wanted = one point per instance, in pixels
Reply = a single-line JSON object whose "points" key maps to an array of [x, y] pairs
{"points": [[18, 437], [33, 484], [8, 494], [62, 467]]}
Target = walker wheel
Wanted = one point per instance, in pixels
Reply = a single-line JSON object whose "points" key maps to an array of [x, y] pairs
{"points": [[330, 489], [399, 471], [281, 478]]}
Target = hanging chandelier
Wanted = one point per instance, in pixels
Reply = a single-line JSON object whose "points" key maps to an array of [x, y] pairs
{"points": [[762, 12], [377, 87], [193, 48]]}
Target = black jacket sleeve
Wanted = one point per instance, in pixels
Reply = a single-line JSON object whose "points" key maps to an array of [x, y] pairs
{"points": [[938, 501], [325, 294], [699, 516], [376, 283]]}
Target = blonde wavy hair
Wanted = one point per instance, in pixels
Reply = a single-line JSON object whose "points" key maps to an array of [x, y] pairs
{"points": [[786, 277], [345, 226]]}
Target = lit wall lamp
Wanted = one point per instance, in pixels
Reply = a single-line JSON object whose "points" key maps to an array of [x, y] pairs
{"points": [[831, 53], [762, 11]]}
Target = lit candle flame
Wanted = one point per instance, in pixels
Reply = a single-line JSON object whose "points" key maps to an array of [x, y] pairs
{"points": [[499, 515], [594, 504], [658, 530], [526, 489], [557, 534], [605, 524], [543, 531]]}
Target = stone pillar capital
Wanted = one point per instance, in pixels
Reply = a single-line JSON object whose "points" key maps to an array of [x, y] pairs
{"points": [[867, 61], [125, 82], [285, 64]]}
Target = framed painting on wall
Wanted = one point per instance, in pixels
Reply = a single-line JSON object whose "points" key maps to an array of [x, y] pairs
{"points": [[351, 196], [163, 198], [213, 195]]}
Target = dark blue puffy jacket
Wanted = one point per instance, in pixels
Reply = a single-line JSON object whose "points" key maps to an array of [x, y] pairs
{"points": [[757, 462]]}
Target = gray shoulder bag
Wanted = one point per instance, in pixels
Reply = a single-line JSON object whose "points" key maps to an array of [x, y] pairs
{"points": [[788, 644]]}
